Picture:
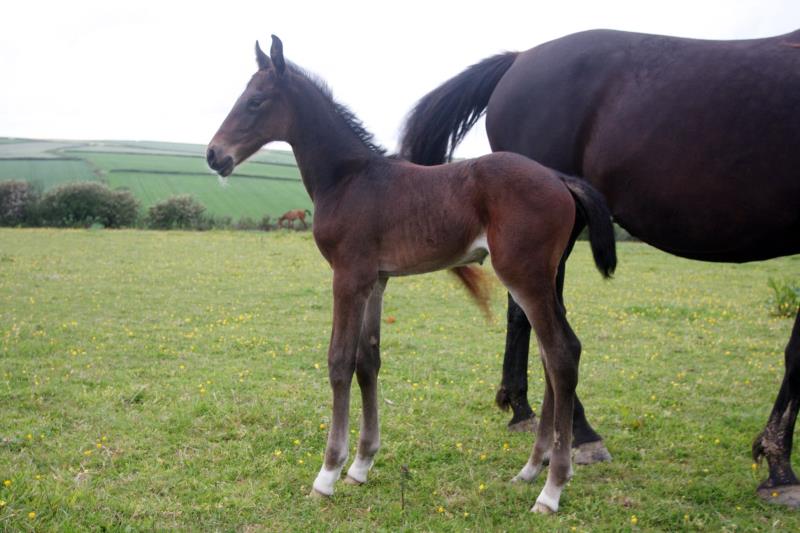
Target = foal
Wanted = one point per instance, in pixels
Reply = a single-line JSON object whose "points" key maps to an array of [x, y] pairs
{"points": [[377, 217]]}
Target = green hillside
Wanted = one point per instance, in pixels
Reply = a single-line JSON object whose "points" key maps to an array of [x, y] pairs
{"points": [[268, 184]]}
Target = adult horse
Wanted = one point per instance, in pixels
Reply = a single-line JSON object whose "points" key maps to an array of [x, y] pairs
{"points": [[378, 217], [694, 143], [295, 214]]}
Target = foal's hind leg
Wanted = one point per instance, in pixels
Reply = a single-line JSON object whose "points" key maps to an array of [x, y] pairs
{"points": [[775, 442], [560, 350], [368, 364]]}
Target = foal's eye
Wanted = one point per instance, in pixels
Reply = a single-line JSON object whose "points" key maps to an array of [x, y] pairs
{"points": [[254, 103]]}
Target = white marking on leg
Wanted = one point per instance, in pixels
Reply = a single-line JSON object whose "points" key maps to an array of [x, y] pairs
{"points": [[359, 469], [549, 497], [528, 473], [325, 480]]}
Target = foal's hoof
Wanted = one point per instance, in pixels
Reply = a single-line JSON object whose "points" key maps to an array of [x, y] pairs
{"points": [[590, 453], [351, 481], [541, 508], [523, 426], [788, 495], [317, 495]]}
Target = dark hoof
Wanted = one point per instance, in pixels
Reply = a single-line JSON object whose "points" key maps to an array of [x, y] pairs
{"points": [[590, 453], [788, 495], [523, 426]]}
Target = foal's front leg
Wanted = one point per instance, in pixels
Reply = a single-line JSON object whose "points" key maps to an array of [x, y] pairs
{"points": [[368, 363], [350, 292]]}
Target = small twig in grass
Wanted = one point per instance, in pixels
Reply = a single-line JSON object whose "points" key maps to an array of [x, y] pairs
{"points": [[404, 476]]}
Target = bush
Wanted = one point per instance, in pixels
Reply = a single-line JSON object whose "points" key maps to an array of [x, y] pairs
{"points": [[87, 203], [246, 224], [785, 298], [264, 225], [17, 202], [178, 212]]}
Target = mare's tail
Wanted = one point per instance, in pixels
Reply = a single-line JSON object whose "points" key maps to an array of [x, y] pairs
{"points": [[592, 208], [442, 118]]}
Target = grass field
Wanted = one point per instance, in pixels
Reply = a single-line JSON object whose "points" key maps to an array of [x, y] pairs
{"points": [[268, 184], [171, 380]]}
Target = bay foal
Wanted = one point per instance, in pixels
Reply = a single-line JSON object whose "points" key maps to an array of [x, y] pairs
{"points": [[377, 217]]}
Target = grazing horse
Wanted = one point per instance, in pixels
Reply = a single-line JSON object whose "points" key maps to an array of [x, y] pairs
{"points": [[294, 214], [378, 217], [694, 143]]}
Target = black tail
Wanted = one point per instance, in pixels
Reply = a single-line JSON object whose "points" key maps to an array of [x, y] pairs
{"points": [[442, 118], [593, 210]]}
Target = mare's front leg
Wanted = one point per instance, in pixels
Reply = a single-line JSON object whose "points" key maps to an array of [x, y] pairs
{"points": [[350, 292], [368, 364]]}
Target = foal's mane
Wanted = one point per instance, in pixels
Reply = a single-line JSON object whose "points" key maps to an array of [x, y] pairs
{"points": [[350, 118]]}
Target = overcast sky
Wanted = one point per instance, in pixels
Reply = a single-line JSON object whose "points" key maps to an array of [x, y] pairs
{"points": [[163, 70]]}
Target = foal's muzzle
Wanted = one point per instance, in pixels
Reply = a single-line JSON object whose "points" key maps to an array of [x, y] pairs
{"points": [[221, 165]]}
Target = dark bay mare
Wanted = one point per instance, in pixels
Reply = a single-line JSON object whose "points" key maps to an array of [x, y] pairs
{"points": [[694, 143], [376, 217]]}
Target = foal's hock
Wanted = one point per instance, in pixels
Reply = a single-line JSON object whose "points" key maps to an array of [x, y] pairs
{"points": [[376, 217]]}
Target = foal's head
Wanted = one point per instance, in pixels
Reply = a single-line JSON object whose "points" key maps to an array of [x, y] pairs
{"points": [[259, 116]]}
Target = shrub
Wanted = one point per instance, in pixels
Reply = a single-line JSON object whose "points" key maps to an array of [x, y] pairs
{"points": [[247, 224], [182, 212], [785, 297], [17, 202], [264, 224], [87, 203]]}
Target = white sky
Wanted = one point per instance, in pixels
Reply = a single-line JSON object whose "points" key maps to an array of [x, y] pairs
{"points": [[164, 70]]}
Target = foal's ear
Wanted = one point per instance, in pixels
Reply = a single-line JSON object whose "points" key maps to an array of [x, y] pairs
{"points": [[261, 58], [276, 52]]}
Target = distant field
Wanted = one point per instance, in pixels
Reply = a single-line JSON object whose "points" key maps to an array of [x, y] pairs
{"points": [[269, 184], [176, 381]]}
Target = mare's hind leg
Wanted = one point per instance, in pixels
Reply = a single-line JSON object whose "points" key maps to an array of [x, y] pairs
{"points": [[368, 364], [513, 392], [775, 442]]}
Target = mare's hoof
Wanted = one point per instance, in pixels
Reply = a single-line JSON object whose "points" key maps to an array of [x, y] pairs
{"points": [[351, 481], [788, 495], [523, 426], [590, 453], [541, 508], [317, 495]]}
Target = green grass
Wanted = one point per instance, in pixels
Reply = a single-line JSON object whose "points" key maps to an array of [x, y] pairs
{"points": [[46, 173], [172, 380], [268, 184]]}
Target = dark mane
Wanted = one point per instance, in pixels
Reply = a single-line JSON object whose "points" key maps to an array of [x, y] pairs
{"points": [[350, 118]]}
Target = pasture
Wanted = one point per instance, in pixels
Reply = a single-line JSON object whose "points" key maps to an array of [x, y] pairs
{"points": [[173, 380], [267, 185]]}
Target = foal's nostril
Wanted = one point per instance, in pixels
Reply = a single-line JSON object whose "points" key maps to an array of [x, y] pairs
{"points": [[210, 157]]}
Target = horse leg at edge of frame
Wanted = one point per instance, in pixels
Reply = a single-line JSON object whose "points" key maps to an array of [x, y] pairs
{"points": [[350, 293], [368, 364], [775, 442]]}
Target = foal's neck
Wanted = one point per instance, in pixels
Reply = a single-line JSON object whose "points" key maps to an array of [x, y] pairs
{"points": [[325, 146]]}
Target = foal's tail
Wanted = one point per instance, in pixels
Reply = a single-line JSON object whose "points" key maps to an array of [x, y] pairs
{"points": [[592, 207], [478, 285], [442, 118]]}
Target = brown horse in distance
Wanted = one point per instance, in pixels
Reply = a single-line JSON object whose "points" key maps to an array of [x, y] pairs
{"points": [[295, 214], [694, 143], [378, 217]]}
